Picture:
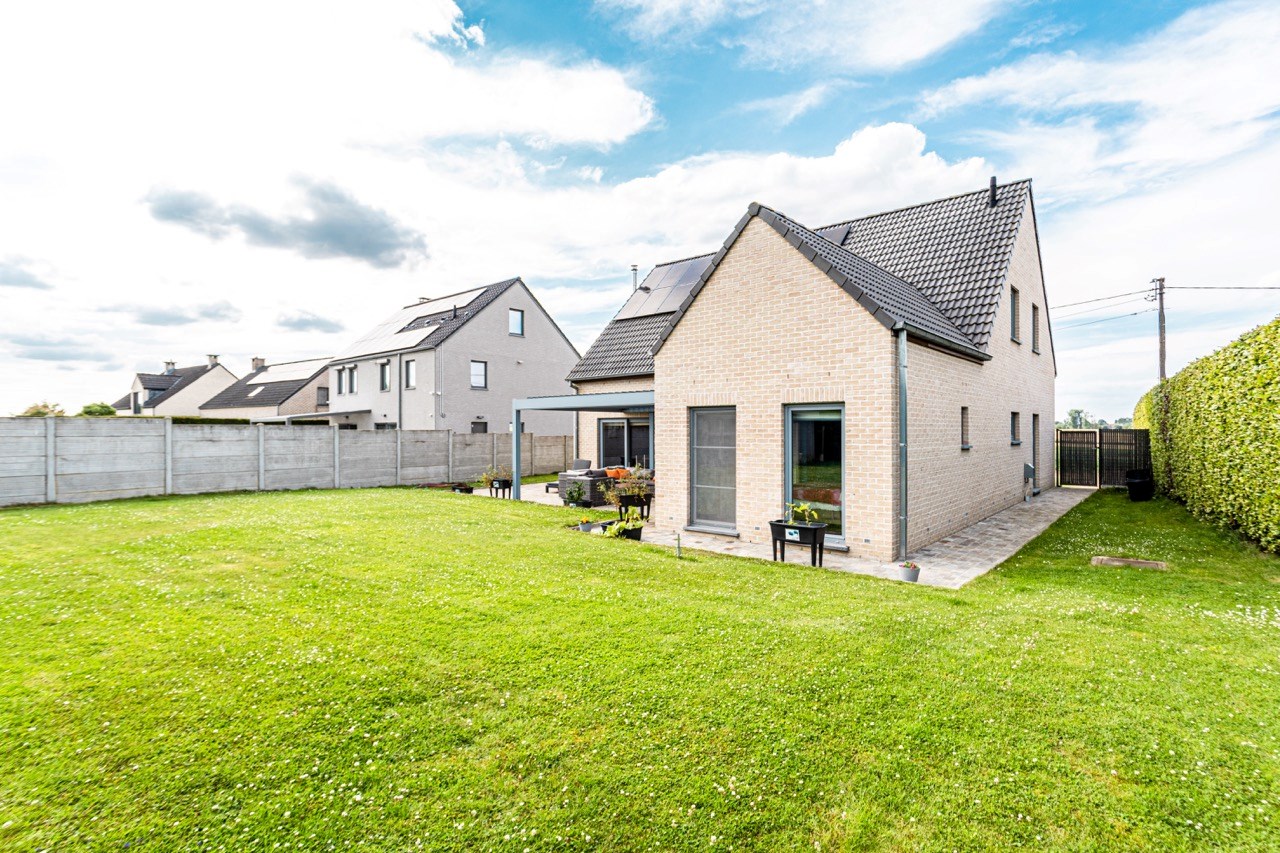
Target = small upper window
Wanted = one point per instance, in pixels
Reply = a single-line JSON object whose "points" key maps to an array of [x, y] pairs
{"points": [[351, 380], [384, 376], [515, 322], [1015, 331], [411, 374], [1035, 328], [479, 374], [342, 380], [1015, 428]]}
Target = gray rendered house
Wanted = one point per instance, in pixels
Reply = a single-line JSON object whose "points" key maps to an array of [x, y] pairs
{"points": [[455, 362]]}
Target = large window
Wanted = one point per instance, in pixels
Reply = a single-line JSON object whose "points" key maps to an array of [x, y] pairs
{"points": [[411, 374], [815, 462], [479, 374], [515, 321], [713, 467], [384, 376], [625, 442]]}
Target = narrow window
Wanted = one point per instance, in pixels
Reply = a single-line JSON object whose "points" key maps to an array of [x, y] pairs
{"points": [[1014, 329], [964, 428], [384, 376], [351, 380], [342, 380], [713, 463], [411, 374], [322, 396], [515, 322], [1035, 328], [479, 426], [1015, 428], [479, 374]]}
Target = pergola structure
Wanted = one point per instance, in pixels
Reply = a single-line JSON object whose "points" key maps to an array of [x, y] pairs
{"points": [[625, 402]]}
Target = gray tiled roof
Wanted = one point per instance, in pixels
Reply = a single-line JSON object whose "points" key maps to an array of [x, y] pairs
{"points": [[887, 297], [955, 250], [624, 348], [938, 267], [272, 394], [124, 403]]}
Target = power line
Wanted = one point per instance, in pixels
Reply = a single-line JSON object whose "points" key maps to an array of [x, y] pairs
{"points": [[1101, 308], [1105, 319], [1223, 287], [1100, 299]]}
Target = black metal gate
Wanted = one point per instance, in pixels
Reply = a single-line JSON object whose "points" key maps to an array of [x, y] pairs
{"points": [[1100, 457]]}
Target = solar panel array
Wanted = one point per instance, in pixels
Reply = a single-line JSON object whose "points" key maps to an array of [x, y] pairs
{"points": [[668, 287]]}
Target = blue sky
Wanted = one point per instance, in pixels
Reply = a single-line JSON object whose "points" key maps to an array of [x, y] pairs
{"points": [[176, 181]]}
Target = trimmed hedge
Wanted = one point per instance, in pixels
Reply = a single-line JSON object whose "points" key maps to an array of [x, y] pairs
{"points": [[1215, 435]]}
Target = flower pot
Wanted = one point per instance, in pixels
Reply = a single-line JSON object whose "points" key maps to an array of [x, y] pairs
{"points": [[586, 526], [909, 575], [813, 536], [500, 484], [627, 533], [1141, 485]]}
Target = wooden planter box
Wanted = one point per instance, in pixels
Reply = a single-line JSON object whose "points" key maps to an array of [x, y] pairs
{"points": [[812, 536]]}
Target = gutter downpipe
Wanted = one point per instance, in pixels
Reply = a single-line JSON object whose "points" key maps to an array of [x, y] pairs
{"points": [[901, 332]]}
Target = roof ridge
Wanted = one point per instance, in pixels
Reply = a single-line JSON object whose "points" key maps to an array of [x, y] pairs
{"points": [[907, 207], [508, 282], [682, 260], [324, 358]]}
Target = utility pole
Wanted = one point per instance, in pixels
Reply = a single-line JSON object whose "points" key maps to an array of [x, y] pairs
{"points": [[1159, 283]]}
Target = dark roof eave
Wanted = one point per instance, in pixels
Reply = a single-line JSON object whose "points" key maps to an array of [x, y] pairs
{"points": [[631, 374], [951, 347]]}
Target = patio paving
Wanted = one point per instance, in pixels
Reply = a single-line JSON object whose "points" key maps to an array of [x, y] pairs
{"points": [[951, 562]]}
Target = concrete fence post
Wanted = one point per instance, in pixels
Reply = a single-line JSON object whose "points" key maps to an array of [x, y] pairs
{"points": [[493, 448], [449, 433], [262, 457], [51, 459], [168, 456], [337, 460], [398, 431]]}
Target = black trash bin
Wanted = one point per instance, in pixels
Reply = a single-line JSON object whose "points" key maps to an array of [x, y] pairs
{"points": [[1142, 486]]}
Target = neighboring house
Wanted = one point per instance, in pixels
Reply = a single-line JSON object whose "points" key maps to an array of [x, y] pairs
{"points": [[273, 390], [176, 391], [774, 366], [455, 362]]}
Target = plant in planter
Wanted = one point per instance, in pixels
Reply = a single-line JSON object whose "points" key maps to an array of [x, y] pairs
{"points": [[800, 527], [633, 491], [462, 488], [627, 527], [909, 572], [496, 478], [585, 524]]}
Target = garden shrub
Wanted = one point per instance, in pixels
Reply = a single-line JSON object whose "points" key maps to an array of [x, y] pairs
{"points": [[1215, 435]]}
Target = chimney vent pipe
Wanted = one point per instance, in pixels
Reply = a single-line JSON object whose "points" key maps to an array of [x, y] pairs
{"points": [[213, 360], [259, 363], [992, 202]]}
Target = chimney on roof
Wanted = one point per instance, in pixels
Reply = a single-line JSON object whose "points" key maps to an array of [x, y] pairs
{"points": [[454, 315], [422, 299], [259, 362], [635, 277], [213, 360], [170, 366], [992, 201]]}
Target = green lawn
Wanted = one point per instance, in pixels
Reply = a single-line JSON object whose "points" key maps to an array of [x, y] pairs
{"points": [[400, 666]]}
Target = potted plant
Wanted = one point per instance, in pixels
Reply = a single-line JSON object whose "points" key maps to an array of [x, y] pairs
{"points": [[496, 478], [632, 491], [585, 524], [462, 488], [909, 572], [1141, 485], [799, 527], [627, 527], [576, 495]]}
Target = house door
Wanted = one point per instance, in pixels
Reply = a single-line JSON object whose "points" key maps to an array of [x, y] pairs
{"points": [[613, 443], [815, 462], [638, 444]]}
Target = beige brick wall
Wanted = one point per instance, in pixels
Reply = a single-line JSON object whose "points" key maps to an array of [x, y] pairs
{"points": [[950, 488], [305, 400], [769, 329], [588, 432]]}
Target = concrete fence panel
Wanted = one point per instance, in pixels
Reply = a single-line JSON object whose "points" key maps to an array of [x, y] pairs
{"points": [[73, 460]]}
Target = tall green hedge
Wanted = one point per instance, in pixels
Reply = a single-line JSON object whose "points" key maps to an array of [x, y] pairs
{"points": [[1215, 435]]}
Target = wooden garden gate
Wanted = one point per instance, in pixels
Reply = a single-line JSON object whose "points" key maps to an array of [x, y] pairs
{"points": [[1101, 457]]}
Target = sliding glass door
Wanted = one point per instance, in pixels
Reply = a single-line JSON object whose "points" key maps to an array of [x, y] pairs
{"points": [[815, 462], [713, 496], [625, 442]]}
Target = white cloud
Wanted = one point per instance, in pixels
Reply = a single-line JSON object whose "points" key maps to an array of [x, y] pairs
{"points": [[868, 35], [1204, 88], [784, 109]]}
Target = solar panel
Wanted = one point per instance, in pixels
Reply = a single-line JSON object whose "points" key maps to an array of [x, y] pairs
{"points": [[668, 286]]}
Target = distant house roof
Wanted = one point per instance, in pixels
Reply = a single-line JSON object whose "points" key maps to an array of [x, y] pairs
{"points": [[938, 267], [426, 324], [269, 386], [124, 403], [170, 384]]}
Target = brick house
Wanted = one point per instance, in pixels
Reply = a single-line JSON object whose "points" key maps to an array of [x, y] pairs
{"points": [[274, 391], [178, 391], [779, 368]]}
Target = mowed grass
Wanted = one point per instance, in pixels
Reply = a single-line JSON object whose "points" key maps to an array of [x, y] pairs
{"points": [[391, 668]]}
